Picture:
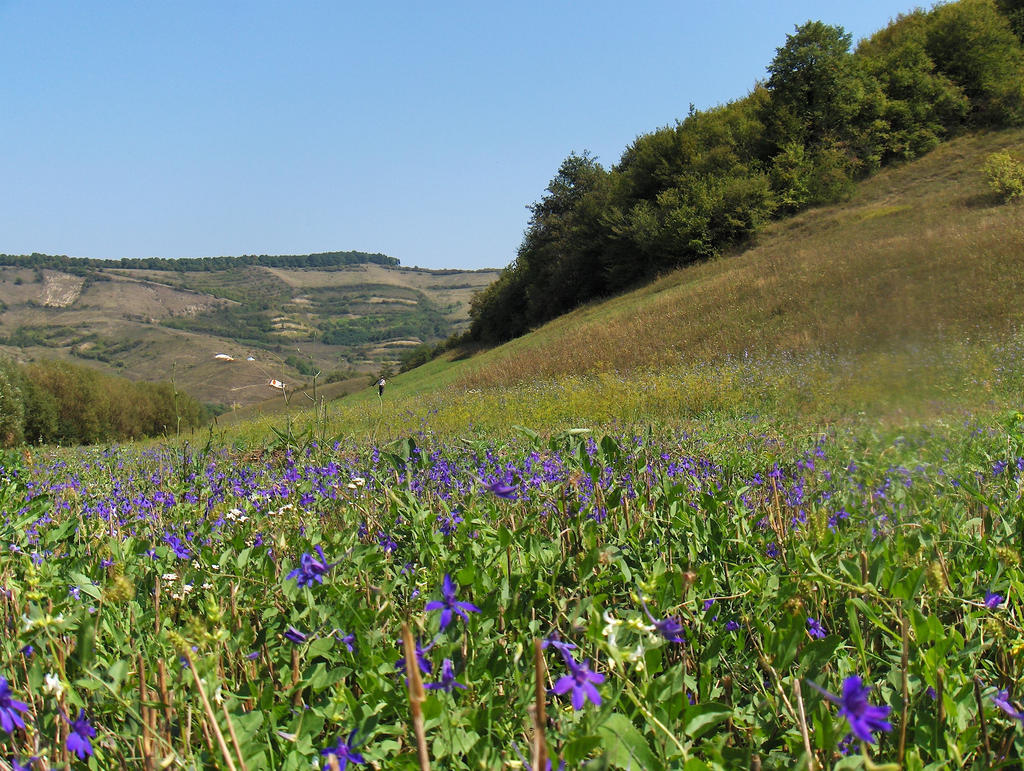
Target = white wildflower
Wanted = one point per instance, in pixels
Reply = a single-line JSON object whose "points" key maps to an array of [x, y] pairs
{"points": [[611, 627], [52, 685], [636, 657]]}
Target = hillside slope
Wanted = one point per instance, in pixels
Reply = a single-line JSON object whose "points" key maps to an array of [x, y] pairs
{"points": [[275, 322], [921, 253], [905, 298]]}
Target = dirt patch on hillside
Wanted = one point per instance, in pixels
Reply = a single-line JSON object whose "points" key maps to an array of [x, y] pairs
{"points": [[60, 290]]}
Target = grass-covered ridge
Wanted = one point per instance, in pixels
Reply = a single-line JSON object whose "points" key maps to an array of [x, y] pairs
{"points": [[920, 254]]}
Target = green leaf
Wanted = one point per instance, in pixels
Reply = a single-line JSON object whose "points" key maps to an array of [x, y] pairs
{"points": [[626, 746], [85, 649], [577, 749], [873, 616], [700, 718]]}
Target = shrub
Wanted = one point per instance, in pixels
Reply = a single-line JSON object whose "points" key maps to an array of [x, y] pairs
{"points": [[12, 411], [1005, 175]]}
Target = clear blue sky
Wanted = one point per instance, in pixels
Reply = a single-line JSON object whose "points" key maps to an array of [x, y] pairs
{"points": [[421, 130]]}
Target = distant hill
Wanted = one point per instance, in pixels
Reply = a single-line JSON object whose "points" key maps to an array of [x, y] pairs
{"points": [[284, 317]]}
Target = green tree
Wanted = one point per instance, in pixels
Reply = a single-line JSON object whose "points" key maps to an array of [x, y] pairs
{"points": [[1005, 175], [972, 43], [1013, 10], [41, 410], [917, 105], [814, 87], [556, 261], [498, 312]]}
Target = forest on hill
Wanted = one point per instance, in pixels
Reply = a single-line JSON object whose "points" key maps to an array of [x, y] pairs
{"points": [[826, 116], [80, 265]]}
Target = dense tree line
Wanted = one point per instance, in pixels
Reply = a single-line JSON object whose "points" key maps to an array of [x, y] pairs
{"points": [[826, 116], [195, 264], [52, 401]]}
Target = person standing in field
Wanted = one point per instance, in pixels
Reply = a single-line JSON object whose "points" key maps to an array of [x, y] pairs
{"points": [[380, 386]]}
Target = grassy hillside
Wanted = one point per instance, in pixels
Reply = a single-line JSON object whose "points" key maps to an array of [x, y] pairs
{"points": [[905, 299], [282, 323], [920, 254]]}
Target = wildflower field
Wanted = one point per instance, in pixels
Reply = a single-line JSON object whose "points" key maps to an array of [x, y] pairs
{"points": [[711, 598]]}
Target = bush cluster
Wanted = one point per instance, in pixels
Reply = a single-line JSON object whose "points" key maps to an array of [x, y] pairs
{"points": [[1005, 176], [57, 402]]}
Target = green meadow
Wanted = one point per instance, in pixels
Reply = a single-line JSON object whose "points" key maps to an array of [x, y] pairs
{"points": [[632, 539], [741, 487]]}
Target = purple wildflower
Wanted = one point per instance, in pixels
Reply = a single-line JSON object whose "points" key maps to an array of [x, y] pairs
{"points": [[348, 639], [449, 605], [386, 542], [846, 745], [1002, 700], [448, 523], [993, 600], [9, 708], [447, 681], [502, 490], [295, 636], [344, 751], [815, 629], [528, 767], [310, 570], [670, 628], [421, 658], [864, 718], [580, 681], [554, 640], [79, 735], [731, 626]]}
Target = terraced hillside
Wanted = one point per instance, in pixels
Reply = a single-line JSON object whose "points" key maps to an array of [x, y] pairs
{"points": [[274, 323]]}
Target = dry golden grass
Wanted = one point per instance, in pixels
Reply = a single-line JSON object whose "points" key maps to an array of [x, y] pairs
{"points": [[922, 254]]}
